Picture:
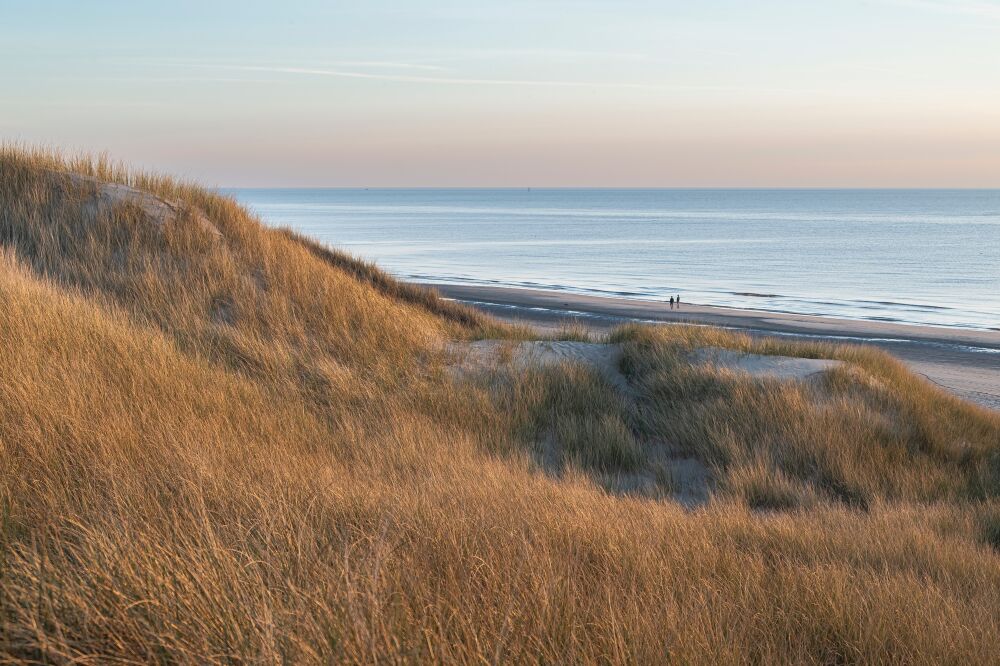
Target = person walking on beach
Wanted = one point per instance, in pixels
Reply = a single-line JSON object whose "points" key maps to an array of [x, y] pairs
{"points": [[671, 302], [678, 301]]}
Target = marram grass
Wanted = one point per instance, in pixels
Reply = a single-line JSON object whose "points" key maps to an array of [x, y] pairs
{"points": [[243, 447]]}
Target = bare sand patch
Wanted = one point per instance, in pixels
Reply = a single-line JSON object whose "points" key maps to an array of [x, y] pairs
{"points": [[485, 354], [681, 478], [104, 197], [605, 358], [761, 366]]}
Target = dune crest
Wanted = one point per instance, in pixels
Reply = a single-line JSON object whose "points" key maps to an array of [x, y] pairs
{"points": [[103, 198]]}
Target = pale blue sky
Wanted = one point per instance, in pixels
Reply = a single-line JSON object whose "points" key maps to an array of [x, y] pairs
{"points": [[550, 92]]}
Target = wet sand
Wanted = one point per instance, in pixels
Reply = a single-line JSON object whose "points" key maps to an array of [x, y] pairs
{"points": [[965, 362]]}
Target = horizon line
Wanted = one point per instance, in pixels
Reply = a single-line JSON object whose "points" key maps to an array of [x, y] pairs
{"points": [[828, 188]]}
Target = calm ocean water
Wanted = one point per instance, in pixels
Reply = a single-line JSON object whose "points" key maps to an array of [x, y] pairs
{"points": [[918, 256]]}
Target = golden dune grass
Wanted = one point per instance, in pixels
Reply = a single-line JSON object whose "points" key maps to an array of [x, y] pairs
{"points": [[246, 448]]}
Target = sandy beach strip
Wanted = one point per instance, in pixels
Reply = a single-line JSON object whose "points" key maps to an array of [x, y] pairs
{"points": [[965, 362]]}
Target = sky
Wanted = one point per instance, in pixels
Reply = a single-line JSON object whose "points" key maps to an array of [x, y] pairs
{"points": [[570, 93]]}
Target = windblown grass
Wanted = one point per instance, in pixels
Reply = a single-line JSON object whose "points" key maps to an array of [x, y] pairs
{"points": [[239, 447]]}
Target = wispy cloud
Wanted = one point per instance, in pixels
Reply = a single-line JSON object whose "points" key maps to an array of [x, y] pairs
{"points": [[980, 8], [432, 78], [419, 64], [547, 53], [463, 81], [442, 80], [378, 64]]}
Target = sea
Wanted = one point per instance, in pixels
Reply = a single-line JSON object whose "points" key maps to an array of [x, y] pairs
{"points": [[913, 256]]}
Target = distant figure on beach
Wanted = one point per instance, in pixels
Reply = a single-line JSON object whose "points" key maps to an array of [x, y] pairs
{"points": [[671, 302], [678, 301]]}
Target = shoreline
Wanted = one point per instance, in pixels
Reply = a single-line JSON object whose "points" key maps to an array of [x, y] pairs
{"points": [[963, 361], [749, 308]]}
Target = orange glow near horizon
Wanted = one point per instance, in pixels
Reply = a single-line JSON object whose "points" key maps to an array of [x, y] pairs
{"points": [[887, 93]]}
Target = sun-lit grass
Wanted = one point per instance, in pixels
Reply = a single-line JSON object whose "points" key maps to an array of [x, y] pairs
{"points": [[242, 447], [864, 432]]}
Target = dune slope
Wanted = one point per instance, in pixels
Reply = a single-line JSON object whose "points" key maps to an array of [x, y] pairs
{"points": [[221, 442]]}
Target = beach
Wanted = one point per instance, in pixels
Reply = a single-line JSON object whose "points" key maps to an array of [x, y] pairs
{"points": [[963, 361]]}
